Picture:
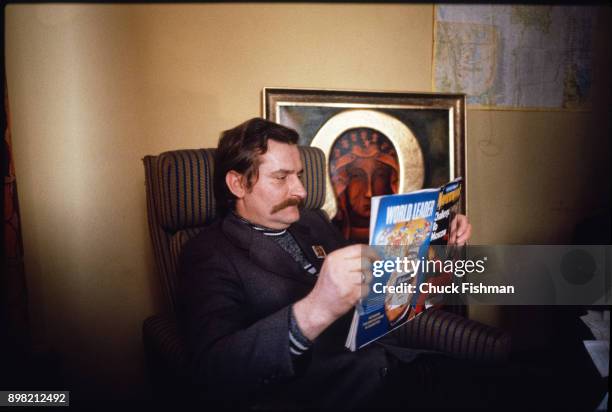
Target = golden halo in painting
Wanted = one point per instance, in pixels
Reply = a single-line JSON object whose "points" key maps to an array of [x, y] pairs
{"points": [[407, 149]]}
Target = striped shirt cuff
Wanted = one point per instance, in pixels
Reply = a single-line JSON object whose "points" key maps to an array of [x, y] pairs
{"points": [[298, 343]]}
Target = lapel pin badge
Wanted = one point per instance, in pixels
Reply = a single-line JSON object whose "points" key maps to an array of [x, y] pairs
{"points": [[319, 251]]}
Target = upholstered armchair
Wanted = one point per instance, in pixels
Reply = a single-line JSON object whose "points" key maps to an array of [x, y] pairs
{"points": [[180, 202]]}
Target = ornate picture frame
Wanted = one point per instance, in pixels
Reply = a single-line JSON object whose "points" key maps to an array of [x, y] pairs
{"points": [[417, 139]]}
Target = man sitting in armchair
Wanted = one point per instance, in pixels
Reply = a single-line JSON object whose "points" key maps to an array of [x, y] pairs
{"points": [[268, 288]]}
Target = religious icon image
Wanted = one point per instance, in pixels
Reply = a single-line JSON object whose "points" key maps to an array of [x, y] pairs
{"points": [[363, 163]]}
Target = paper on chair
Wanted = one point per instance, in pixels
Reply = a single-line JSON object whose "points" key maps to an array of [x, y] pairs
{"points": [[599, 323], [600, 353]]}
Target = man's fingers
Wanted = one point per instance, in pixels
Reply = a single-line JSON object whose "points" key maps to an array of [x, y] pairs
{"points": [[358, 250], [371, 253], [460, 230], [463, 237], [354, 265], [357, 258], [358, 270], [362, 253]]}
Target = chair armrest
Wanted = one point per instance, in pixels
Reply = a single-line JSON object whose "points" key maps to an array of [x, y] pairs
{"points": [[442, 331], [165, 348]]}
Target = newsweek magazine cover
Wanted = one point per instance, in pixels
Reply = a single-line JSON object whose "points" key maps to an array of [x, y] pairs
{"points": [[400, 230]]}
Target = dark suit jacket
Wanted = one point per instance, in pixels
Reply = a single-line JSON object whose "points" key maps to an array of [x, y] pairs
{"points": [[237, 289]]}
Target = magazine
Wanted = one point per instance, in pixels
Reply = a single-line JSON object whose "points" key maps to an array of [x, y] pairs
{"points": [[448, 206], [402, 226]]}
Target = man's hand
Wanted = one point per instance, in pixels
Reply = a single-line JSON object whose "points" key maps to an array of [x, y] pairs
{"points": [[337, 290], [460, 230]]}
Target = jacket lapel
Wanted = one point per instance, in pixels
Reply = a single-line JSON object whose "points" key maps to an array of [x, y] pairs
{"points": [[265, 252], [303, 236]]}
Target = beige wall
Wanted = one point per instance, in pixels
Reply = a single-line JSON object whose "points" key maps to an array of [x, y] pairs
{"points": [[95, 88]]}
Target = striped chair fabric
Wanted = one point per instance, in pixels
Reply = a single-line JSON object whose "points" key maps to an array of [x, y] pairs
{"points": [[184, 189], [456, 335]]}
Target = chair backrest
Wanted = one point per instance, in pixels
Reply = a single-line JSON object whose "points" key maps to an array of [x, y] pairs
{"points": [[180, 201]]}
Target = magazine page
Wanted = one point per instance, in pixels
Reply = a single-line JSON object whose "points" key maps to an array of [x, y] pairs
{"points": [[400, 232], [439, 251]]}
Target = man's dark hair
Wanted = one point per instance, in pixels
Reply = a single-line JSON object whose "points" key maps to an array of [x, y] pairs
{"points": [[239, 150]]}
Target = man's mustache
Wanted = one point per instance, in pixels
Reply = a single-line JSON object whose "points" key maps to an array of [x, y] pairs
{"points": [[292, 201]]}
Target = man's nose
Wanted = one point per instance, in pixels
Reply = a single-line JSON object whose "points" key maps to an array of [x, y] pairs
{"points": [[298, 188]]}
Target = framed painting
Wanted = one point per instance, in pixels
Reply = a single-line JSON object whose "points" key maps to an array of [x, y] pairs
{"points": [[375, 143]]}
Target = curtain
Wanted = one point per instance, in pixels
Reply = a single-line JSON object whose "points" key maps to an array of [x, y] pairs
{"points": [[14, 300]]}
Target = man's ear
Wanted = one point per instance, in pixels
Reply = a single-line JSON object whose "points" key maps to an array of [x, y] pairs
{"points": [[235, 183]]}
